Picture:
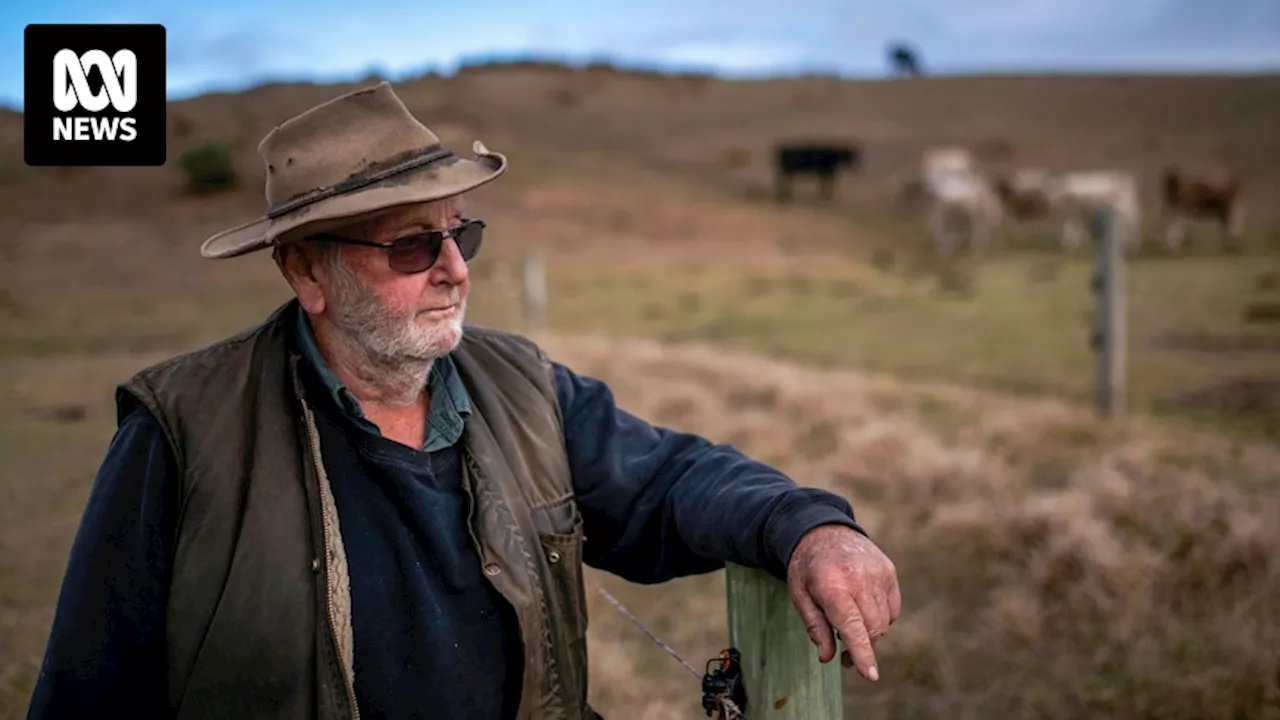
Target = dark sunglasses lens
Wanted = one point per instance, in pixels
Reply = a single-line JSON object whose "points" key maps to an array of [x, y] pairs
{"points": [[415, 254], [418, 253], [468, 239]]}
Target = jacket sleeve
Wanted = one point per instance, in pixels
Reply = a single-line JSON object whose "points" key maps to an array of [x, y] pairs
{"points": [[106, 653], [659, 504]]}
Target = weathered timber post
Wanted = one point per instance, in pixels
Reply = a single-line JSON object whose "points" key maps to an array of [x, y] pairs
{"points": [[1109, 335], [534, 293], [780, 667]]}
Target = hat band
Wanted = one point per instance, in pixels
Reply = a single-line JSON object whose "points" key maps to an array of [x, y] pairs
{"points": [[424, 156]]}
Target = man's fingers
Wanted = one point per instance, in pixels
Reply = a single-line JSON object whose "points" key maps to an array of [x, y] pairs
{"points": [[877, 621], [871, 608], [815, 623], [895, 602], [853, 631], [855, 616], [844, 582]]}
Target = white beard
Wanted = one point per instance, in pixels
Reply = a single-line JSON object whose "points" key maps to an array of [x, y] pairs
{"points": [[392, 350]]}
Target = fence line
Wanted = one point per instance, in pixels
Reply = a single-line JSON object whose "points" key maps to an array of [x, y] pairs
{"points": [[780, 668]]}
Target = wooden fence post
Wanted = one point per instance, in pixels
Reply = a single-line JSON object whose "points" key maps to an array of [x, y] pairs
{"points": [[784, 680], [1108, 338], [534, 293]]}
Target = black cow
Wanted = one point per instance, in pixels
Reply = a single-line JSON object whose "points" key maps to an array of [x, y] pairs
{"points": [[812, 159], [904, 61]]}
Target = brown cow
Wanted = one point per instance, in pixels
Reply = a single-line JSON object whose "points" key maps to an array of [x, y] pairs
{"points": [[1213, 196], [1021, 202]]}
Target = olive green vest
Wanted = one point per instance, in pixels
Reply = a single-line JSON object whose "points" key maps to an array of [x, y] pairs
{"points": [[259, 610]]}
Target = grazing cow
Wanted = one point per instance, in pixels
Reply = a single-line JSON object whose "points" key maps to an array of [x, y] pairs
{"points": [[1213, 196], [903, 61], [1072, 197], [948, 158], [822, 160], [934, 162], [1023, 194], [959, 199]]}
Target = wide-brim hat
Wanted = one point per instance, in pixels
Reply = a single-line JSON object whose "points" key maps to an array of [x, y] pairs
{"points": [[352, 157]]}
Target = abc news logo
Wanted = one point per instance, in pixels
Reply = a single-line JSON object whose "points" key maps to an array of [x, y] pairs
{"points": [[95, 95], [71, 90]]}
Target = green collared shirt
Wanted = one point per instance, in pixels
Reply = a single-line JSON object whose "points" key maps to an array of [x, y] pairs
{"points": [[448, 409]]}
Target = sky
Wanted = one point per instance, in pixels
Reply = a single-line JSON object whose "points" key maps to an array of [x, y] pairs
{"points": [[233, 44]]}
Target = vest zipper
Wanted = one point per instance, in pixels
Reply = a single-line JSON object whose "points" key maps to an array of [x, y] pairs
{"points": [[348, 677]]}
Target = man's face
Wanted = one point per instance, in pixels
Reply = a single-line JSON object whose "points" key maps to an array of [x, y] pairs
{"points": [[398, 316]]}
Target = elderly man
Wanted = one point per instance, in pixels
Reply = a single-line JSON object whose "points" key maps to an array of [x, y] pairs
{"points": [[363, 508]]}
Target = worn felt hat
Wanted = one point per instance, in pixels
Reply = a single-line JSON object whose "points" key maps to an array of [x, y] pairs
{"points": [[349, 158]]}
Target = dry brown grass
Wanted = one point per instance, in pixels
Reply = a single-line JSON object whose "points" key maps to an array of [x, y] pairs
{"points": [[1052, 566]]}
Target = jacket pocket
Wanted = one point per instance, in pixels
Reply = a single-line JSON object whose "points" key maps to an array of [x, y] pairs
{"points": [[559, 527], [560, 537]]}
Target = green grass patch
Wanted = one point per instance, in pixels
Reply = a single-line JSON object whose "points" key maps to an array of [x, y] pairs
{"points": [[1018, 322]]}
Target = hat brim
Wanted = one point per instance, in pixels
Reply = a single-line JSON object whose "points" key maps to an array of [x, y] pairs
{"points": [[423, 184]]}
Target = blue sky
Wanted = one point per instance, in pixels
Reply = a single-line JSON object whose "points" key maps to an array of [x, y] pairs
{"points": [[228, 44]]}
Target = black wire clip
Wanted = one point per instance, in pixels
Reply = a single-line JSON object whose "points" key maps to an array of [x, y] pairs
{"points": [[724, 682]]}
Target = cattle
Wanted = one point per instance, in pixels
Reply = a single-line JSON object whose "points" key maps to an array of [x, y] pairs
{"points": [[1023, 194], [948, 159], [903, 61], [1073, 198], [959, 200], [821, 159], [933, 162], [1215, 196]]}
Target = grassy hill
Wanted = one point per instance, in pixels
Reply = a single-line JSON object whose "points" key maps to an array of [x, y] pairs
{"points": [[657, 188], [717, 132], [1053, 565]]}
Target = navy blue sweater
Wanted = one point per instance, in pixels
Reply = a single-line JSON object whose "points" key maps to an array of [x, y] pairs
{"points": [[433, 637], [656, 503]]}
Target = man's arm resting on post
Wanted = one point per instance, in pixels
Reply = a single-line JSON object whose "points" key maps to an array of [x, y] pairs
{"points": [[659, 504], [106, 651]]}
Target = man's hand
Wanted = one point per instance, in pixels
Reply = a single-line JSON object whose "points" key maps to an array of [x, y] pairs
{"points": [[839, 579]]}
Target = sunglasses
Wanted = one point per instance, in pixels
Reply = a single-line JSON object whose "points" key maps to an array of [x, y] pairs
{"points": [[418, 252]]}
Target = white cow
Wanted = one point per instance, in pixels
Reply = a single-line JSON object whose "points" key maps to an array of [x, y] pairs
{"points": [[959, 198], [1073, 198]]}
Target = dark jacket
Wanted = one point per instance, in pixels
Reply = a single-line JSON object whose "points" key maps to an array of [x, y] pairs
{"points": [[201, 568]]}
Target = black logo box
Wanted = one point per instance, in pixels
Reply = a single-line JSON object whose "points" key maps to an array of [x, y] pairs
{"points": [[149, 147]]}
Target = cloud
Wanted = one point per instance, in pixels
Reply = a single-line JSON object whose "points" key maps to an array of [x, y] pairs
{"points": [[228, 55], [732, 57]]}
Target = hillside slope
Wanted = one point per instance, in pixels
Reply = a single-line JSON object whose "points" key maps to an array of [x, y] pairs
{"points": [[717, 133], [648, 197]]}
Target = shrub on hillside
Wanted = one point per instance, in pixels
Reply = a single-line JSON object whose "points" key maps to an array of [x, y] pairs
{"points": [[208, 167], [181, 127]]}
